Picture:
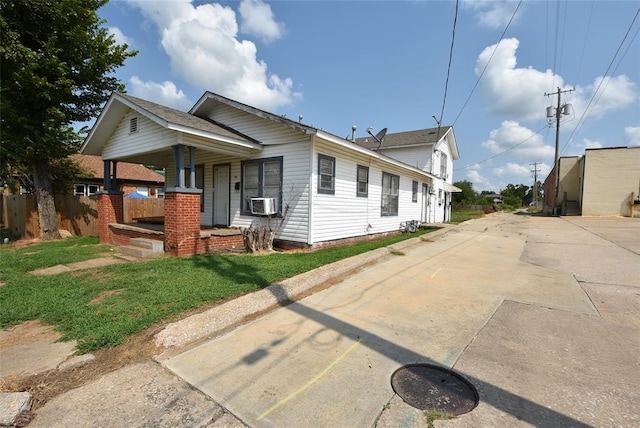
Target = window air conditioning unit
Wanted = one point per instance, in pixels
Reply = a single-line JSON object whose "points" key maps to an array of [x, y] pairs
{"points": [[263, 206]]}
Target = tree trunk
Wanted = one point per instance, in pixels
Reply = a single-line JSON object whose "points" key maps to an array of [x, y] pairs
{"points": [[46, 204], [258, 239]]}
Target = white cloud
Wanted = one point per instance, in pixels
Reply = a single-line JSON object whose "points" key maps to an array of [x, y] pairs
{"points": [[165, 93], [203, 46], [494, 14], [258, 20], [590, 144], [518, 92], [513, 170], [614, 93], [632, 135], [479, 181], [511, 91], [520, 142], [119, 36]]}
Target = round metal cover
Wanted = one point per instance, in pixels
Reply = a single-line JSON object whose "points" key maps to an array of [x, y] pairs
{"points": [[429, 387]]}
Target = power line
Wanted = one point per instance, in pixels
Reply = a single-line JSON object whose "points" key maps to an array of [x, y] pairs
{"points": [[597, 91], [487, 64], [446, 84], [503, 152]]}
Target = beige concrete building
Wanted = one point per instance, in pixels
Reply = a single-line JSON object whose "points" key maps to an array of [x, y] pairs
{"points": [[602, 182]]}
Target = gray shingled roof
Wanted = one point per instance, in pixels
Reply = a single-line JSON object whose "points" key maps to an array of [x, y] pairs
{"points": [[182, 118], [408, 138]]}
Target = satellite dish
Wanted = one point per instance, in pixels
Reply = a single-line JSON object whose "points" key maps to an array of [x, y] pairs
{"points": [[378, 137]]}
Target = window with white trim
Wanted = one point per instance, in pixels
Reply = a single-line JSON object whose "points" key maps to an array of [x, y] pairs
{"points": [[362, 181], [443, 166], [326, 174], [261, 178], [414, 191], [390, 193], [79, 190]]}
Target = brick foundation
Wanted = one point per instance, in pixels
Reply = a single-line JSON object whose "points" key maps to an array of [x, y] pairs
{"points": [[181, 223], [110, 210]]}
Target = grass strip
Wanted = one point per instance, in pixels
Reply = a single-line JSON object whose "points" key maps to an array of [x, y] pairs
{"points": [[102, 307]]}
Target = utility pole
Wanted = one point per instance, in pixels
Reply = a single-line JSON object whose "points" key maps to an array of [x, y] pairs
{"points": [[565, 109], [535, 183]]}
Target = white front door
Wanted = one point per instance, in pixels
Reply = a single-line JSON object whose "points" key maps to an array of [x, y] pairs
{"points": [[221, 195], [426, 217]]}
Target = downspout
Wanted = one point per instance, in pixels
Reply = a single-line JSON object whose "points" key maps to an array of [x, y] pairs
{"points": [[311, 187]]}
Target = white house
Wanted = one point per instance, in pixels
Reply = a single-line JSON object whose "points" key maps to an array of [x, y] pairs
{"points": [[225, 161]]}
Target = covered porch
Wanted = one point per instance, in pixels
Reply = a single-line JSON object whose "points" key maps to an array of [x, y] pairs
{"points": [[134, 130]]}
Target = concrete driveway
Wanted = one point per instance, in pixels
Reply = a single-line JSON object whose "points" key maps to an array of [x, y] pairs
{"points": [[541, 315]]}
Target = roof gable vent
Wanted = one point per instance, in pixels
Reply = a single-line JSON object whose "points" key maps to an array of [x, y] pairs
{"points": [[133, 125]]}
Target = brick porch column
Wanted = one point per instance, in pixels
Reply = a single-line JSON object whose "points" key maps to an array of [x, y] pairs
{"points": [[110, 210], [182, 221]]}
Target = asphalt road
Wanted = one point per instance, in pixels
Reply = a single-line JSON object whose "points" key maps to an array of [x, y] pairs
{"points": [[541, 315]]}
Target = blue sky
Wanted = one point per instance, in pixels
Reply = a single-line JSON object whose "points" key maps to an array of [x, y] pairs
{"points": [[386, 64]]}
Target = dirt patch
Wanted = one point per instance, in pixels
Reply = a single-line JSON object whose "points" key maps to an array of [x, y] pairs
{"points": [[106, 294], [28, 332], [45, 386]]}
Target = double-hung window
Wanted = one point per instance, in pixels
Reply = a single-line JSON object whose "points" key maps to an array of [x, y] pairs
{"points": [[261, 178], [390, 192], [363, 181], [443, 166], [326, 174], [79, 190]]}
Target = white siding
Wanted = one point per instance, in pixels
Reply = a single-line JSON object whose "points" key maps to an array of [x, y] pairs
{"points": [[295, 192], [263, 130], [418, 157], [343, 214], [149, 137], [295, 185]]}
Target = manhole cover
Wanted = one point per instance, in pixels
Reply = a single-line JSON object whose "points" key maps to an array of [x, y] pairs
{"points": [[429, 387]]}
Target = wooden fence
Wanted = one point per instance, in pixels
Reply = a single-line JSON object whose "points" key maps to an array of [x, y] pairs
{"points": [[140, 207], [77, 214]]}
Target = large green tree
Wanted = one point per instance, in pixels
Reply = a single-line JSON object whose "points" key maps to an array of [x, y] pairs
{"points": [[57, 69], [515, 194], [467, 196]]}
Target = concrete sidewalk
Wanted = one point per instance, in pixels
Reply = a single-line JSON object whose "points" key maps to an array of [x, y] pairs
{"points": [[542, 315]]}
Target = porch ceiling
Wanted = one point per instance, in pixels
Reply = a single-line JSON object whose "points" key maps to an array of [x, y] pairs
{"points": [[188, 129], [164, 156]]}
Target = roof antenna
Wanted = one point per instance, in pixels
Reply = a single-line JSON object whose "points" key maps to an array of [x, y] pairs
{"points": [[379, 137], [439, 126]]}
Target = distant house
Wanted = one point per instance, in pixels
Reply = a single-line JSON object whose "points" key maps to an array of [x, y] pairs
{"points": [[432, 150], [602, 182], [230, 165], [131, 177]]}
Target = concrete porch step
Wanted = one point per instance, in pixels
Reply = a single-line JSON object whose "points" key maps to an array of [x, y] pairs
{"points": [[143, 248], [149, 244]]}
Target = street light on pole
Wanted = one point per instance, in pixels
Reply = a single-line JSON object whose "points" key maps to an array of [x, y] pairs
{"points": [[560, 110]]}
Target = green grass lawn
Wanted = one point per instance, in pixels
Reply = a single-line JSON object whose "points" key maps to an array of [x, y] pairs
{"points": [[102, 307], [458, 216]]}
